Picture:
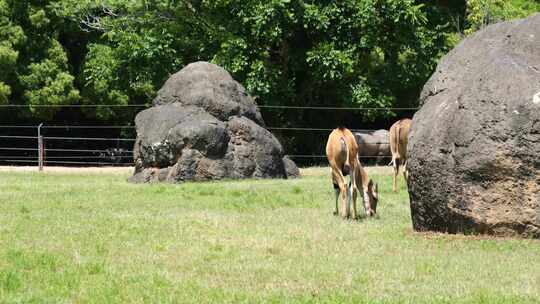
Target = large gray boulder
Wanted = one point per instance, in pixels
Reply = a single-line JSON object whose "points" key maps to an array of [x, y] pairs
{"points": [[203, 126], [211, 88], [474, 147]]}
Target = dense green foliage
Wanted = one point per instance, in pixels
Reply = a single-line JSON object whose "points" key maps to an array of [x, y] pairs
{"points": [[370, 53], [483, 12]]}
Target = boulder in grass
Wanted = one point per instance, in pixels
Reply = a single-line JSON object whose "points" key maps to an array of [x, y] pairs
{"points": [[474, 147], [204, 126]]}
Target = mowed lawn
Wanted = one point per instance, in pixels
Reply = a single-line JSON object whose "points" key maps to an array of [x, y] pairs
{"points": [[94, 238]]}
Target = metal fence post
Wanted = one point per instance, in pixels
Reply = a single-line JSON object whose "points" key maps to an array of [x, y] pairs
{"points": [[40, 148]]}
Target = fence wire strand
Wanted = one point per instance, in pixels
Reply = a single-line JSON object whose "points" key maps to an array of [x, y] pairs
{"points": [[18, 137], [18, 149], [88, 138], [133, 127], [82, 150]]}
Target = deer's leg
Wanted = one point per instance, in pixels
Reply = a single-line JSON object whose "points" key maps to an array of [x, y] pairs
{"points": [[336, 190], [339, 179], [396, 172], [365, 198], [343, 190], [354, 191]]}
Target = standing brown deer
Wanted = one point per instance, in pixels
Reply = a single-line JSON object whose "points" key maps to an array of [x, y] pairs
{"points": [[342, 154], [399, 133]]}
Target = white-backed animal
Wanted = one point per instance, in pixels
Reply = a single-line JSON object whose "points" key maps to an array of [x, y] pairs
{"points": [[373, 144]]}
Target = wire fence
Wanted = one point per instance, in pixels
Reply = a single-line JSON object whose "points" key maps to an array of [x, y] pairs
{"points": [[64, 150], [118, 151], [108, 155], [133, 127]]}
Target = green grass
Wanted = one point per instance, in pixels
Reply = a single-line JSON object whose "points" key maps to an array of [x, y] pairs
{"points": [[98, 239]]}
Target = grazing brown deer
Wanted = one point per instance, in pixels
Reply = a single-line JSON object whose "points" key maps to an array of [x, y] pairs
{"points": [[342, 154], [370, 190], [399, 133]]}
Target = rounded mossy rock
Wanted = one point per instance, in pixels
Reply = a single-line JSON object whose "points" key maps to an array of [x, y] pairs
{"points": [[474, 146], [203, 126]]}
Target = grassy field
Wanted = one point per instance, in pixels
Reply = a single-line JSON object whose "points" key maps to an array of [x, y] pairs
{"points": [[94, 238]]}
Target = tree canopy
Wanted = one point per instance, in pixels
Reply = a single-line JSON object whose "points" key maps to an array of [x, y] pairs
{"points": [[365, 53]]}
